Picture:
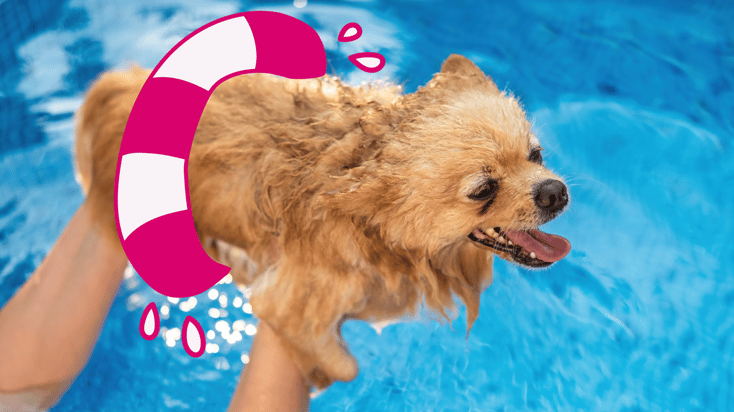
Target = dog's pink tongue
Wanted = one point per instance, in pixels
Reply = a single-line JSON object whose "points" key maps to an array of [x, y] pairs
{"points": [[547, 247]]}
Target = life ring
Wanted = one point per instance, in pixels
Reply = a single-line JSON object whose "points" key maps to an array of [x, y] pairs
{"points": [[152, 203]]}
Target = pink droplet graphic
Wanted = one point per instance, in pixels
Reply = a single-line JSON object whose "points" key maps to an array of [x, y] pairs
{"points": [[350, 32], [369, 62], [192, 335], [150, 322]]}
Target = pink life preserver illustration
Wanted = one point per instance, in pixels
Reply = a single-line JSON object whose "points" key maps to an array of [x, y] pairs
{"points": [[152, 204]]}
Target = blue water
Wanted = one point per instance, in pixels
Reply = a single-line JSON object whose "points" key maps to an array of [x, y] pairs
{"points": [[634, 104]]}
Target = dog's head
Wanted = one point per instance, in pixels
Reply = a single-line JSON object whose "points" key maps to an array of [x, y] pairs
{"points": [[486, 160], [457, 162]]}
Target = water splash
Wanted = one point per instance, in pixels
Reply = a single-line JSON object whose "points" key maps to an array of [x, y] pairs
{"points": [[350, 32], [192, 335], [150, 322], [369, 62]]}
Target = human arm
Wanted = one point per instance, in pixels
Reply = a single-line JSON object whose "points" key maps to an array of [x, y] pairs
{"points": [[270, 381], [49, 327]]}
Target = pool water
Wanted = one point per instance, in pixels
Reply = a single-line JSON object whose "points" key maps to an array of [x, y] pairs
{"points": [[633, 102]]}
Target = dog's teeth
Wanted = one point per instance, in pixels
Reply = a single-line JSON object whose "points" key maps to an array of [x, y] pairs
{"points": [[502, 239], [509, 242], [532, 255]]}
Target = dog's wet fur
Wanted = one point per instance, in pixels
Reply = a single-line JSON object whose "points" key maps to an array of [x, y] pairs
{"points": [[349, 202]]}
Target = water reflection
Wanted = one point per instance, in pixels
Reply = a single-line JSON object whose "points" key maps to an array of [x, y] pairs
{"points": [[188, 304], [165, 311], [212, 348]]}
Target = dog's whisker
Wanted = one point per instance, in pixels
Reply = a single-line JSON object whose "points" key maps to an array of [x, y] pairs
{"points": [[606, 186]]}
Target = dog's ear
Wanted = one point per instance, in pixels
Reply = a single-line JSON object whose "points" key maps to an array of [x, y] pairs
{"points": [[457, 73], [459, 64]]}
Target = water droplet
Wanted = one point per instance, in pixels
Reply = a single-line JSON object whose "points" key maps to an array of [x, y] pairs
{"points": [[193, 337], [173, 334], [239, 325], [250, 329], [150, 323], [221, 325], [369, 62], [212, 348], [350, 32]]}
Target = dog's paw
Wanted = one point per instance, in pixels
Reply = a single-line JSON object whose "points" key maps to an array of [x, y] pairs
{"points": [[340, 364], [331, 370]]}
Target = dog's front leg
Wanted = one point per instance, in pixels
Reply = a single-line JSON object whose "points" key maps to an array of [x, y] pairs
{"points": [[305, 306]]}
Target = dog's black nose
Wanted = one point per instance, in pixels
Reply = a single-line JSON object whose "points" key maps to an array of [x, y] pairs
{"points": [[551, 195]]}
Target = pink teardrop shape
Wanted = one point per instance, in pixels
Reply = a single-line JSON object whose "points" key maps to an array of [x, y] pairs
{"points": [[365, 61], [194, 348], [343, 37], [150, 314]]}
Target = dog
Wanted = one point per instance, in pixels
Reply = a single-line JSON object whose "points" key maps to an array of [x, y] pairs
{"points": [[348, 202]]}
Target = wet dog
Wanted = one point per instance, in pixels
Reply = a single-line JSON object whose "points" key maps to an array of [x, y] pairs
{"points": [[349, 202]]}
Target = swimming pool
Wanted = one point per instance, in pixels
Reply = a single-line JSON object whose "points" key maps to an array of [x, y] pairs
{"points": [[633, 102]]}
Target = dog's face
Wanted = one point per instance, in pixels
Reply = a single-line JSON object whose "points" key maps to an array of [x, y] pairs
{"points": [[488, 167], [467, 168]]}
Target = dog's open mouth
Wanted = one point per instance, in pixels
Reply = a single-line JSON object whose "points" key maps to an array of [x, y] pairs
{"points": [[531, 247]]}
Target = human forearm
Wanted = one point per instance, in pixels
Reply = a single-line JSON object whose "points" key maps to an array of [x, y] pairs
{"points": [[49, 327], [271, 381]]}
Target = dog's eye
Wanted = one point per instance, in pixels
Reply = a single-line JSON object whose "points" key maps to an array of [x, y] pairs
{"points": [[485, 191], [536, 157]]}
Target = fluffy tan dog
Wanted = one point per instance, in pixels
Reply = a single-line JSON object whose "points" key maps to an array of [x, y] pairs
{"points": [[351, 203]]}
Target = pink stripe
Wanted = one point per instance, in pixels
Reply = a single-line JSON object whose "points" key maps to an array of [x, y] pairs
{"points": [[164, 118], [168, 256], [286, 46]]}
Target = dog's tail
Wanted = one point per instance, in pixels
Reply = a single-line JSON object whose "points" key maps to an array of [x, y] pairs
{"points": [[100, 124]]}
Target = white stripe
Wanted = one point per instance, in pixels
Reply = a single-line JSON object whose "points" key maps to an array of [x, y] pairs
{"points": [[150, 186], [213, 53]]}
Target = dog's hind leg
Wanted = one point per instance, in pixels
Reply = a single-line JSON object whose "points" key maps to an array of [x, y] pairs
{"points": [[305, 307]]}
